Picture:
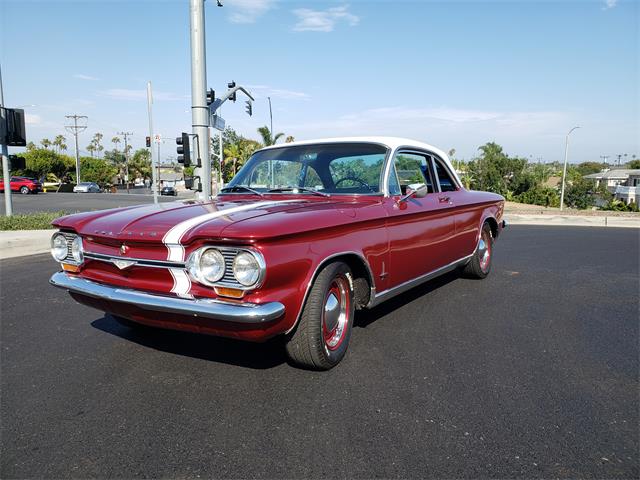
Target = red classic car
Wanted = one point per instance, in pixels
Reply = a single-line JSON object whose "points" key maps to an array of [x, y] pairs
{"points": [[305, 234], [23, 185]]}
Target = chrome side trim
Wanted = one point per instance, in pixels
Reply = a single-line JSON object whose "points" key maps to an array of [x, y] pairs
{"points": [[214, 309], [315, 273], [409, 284], [136, 261]]}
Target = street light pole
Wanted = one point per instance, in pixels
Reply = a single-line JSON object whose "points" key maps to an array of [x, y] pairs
{"points": [[199, 108], [6, 173], [564, 170], [270, 117], [154, 180]]}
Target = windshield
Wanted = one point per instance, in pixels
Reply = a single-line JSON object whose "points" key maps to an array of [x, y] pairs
{"points": [[340, 168]]}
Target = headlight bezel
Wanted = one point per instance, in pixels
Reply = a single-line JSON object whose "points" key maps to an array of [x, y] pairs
{"points": [[228, 278]]}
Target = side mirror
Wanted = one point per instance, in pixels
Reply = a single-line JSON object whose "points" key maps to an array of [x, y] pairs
{"points": [[417, 190]]}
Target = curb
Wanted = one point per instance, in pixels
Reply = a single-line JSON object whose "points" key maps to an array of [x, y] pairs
{"points": [[19, 243], [572, 220]]}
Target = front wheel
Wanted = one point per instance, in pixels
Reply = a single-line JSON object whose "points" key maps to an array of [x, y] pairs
{"points": [[480, 264], [321, 339]]}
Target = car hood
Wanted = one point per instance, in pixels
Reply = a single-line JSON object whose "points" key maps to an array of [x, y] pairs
{"points": [[175, 222]]}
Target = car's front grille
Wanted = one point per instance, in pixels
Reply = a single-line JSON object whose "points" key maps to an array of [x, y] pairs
{"points": [[69, 237]]}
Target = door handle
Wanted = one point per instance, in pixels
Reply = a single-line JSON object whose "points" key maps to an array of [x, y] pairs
{"points": [[445, 200]]}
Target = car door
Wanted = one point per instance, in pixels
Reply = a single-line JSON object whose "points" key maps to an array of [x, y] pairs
{"points": [[466, 217], [419, 229]]}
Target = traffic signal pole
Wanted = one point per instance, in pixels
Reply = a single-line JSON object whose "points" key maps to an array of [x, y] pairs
{"points": [[154, 179], [6, 173], [199, 108]]}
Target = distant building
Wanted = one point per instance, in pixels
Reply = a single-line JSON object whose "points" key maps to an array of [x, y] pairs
{"points": [[624, 183]]}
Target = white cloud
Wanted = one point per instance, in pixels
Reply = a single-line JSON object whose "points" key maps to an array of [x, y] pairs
{"points": [[609, 4], [81, 76], [323, 20], [263, 91], [128, 94], [32, 119], [248, 11]]}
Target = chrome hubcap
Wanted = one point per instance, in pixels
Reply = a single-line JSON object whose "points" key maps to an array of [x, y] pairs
{"points": [[335, 315], [484, 252]]}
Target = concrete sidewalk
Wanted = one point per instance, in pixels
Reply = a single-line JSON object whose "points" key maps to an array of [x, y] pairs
{"points": [[20, 243], [31, 242]]}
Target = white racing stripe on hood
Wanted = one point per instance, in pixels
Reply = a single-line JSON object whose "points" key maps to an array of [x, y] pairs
{"points": [[176, 252]]}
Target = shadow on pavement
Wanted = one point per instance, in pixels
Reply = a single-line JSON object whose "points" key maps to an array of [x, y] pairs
{"points": [[205, 347], [247, 354]]}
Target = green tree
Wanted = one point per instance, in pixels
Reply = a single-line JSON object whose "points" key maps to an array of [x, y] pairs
{"points": [[31, 146], [115, 141], [45, 142], [497, 172], [60, 143], [634, 164], [40, 162], [579, 194], [267, 136], [97, 170], [91, 148], [539, 195], [140, 163], [97, 139]]}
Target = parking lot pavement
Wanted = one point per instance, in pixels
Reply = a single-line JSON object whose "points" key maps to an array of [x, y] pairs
{"points": [[532, 372], [80, 202]]}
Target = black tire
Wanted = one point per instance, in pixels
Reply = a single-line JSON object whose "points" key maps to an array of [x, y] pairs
{"points": [[480, 264], [320, 340], [25, 190]]}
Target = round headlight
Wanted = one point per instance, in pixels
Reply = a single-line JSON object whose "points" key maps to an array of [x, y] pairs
{"points": [[211, 265], [246, 268], [59, 247], [76, 250]]}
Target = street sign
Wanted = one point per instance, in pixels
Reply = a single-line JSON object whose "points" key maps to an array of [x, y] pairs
{"points": [[157, 138], [218, 122]]}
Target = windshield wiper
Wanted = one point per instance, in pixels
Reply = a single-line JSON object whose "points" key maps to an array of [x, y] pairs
{"points": [[300, 189], [235, 188]]}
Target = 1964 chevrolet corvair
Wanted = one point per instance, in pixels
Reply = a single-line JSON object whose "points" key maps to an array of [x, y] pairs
{"points": [[305, 234]]}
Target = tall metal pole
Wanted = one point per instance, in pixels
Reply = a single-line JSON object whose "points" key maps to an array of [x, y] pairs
{"points": [[564, 170], [221, 158], [126, 135], [199, 108], [270, 117], [6, 173], [154, 182], [76, 129]]}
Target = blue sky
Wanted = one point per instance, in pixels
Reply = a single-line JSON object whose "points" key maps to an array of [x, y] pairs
{"points": [[454, 74]]}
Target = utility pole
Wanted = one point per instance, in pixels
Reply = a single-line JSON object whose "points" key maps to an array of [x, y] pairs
{"points": [[270, 117], [75, 129], [604, 158], [199, 108], [564, 170], [154, 179], [6, 172], [126, 155]]}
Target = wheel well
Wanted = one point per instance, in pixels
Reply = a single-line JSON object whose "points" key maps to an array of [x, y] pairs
{"points": [[493, 224], [362, 280]]}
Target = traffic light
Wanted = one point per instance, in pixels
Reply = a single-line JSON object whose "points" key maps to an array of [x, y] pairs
{"points": [[211, 96], [184, 152], [249, 108], [12, 131], [232, 85], [148, 142]]}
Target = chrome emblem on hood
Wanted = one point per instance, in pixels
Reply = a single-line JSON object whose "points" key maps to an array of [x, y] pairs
{"points": [[123, 249]]}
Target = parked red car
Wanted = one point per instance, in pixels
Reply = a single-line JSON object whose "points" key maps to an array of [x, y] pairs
{"points": [[304, 235], [23, 185]]}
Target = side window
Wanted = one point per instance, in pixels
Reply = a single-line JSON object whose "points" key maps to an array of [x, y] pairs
{"points": [[412, 168], [446, 182]]}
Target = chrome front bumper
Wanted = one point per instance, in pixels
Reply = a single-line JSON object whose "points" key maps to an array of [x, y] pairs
{"points": [[200, 307]]}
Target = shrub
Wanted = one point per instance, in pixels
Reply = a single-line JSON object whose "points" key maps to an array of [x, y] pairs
{"points": [[30, 221]]}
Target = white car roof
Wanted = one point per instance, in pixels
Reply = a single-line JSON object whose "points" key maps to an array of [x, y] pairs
{"points": [[391, 142]]}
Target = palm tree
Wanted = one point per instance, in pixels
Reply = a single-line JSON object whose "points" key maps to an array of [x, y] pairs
{"points": [[290, 139], [91, 148], [59, 143], [267, 137], [45, 142], [97, 138], [31, 146], [115, 141]]}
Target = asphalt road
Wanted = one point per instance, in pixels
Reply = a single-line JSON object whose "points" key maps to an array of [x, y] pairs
{"points": [[530, 373], [79, 202]]}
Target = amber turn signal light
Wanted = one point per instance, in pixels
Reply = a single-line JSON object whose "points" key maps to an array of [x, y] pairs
{"points": [[229, 292], [70, 268]]}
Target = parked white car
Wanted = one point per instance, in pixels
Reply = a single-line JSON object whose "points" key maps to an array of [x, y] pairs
{"points": [[86, 187]]}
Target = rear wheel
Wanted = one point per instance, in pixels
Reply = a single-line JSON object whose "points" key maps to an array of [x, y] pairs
{"points": [[480, 264], [24, 190], [321, 338]]}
